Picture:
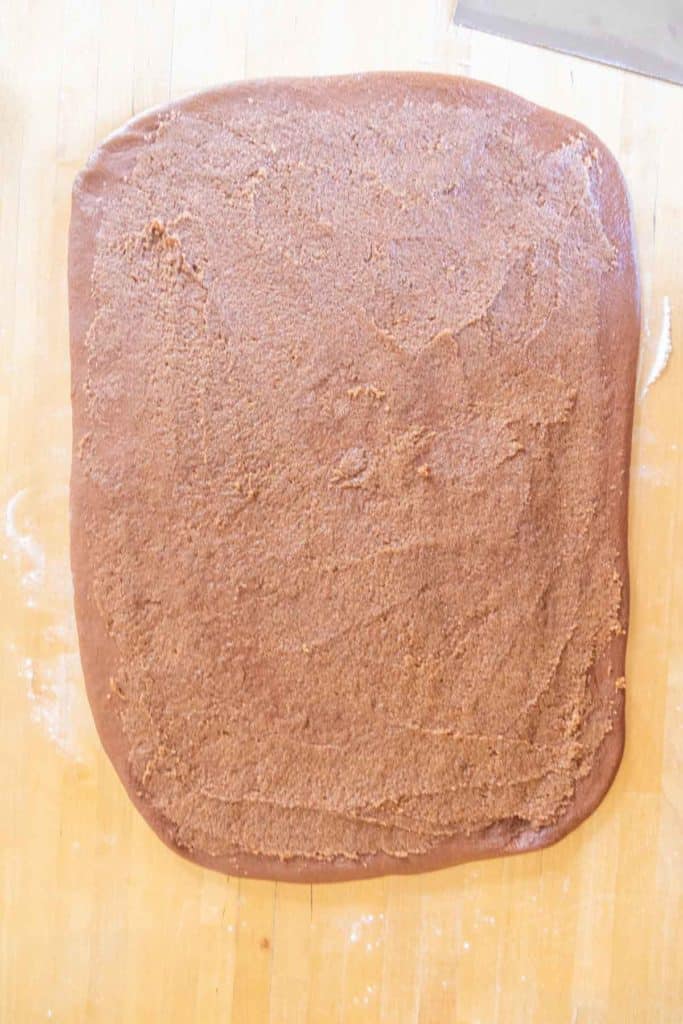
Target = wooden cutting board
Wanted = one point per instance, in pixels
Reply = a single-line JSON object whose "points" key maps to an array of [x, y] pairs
{"points": [[98, 920]]}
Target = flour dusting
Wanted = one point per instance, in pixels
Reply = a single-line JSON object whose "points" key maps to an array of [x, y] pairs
{"points": [[46, 656], [56, 701], [23, 545]]}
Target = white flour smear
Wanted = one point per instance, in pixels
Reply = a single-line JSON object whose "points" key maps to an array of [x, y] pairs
{"points": [[663, 351]]}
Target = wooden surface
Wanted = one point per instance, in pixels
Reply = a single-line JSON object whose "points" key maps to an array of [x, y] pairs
{"points": [[99, 921]]}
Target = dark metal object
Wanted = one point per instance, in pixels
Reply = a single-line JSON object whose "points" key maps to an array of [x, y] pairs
{"points": [[646, 37]]}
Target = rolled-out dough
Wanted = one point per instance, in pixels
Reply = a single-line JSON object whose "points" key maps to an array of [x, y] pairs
{"points": [[353, 369]]}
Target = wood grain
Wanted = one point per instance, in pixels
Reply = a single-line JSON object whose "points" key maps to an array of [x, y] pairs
{"points": [[99, 922]]}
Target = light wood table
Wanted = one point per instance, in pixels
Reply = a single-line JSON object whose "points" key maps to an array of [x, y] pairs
{"points": [[99, 921]]}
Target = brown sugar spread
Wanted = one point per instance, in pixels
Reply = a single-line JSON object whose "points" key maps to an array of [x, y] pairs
{"points": [[353, 368]]}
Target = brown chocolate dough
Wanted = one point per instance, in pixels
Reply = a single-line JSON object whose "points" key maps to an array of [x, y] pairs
{"points": [[353, 371]]}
